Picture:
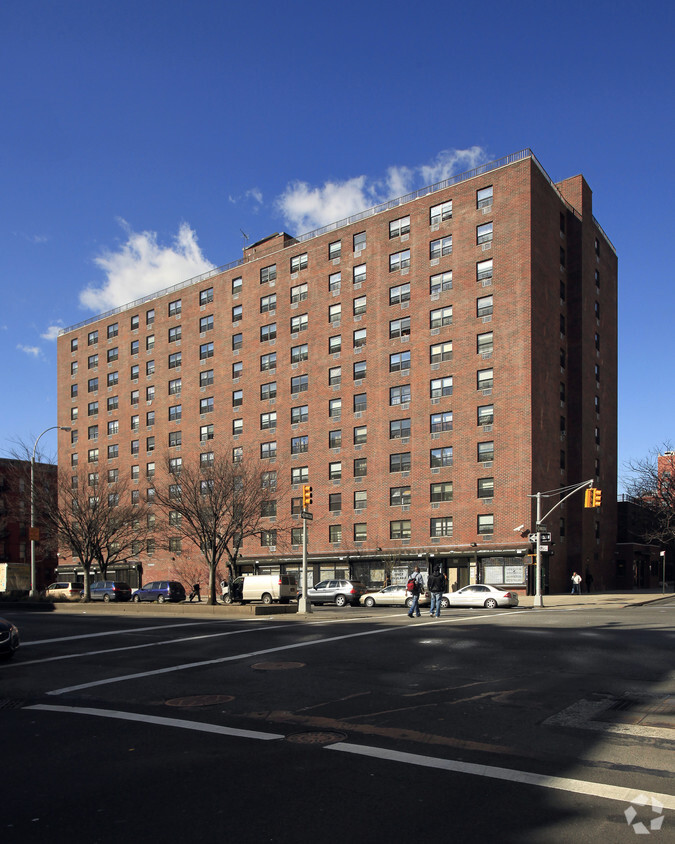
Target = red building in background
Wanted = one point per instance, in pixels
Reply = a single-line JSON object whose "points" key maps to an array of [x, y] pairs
{"points": [[426, 365]]}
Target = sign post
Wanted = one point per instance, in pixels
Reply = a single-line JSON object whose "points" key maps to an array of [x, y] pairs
{"points": [[304, 604]]}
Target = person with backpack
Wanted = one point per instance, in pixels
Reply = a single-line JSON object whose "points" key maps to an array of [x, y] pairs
{"points": [[436, 586], [415, 586]]}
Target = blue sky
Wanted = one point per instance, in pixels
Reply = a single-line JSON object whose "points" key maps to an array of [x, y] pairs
{"points": [[139, 138]]}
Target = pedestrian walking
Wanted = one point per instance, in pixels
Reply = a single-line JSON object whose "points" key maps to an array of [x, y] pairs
{"points": [[415, 586], [436, 586], [196, 593], [576, 584]]}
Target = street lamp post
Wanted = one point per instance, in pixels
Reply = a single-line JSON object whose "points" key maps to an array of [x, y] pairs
{"points": [[33, 578]]}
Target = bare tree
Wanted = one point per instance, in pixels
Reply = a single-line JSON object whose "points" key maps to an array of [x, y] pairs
{"points": [[217, 505], [651, 485]]}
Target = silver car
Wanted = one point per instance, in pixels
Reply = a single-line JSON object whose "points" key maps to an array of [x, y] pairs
{"points": [[338, 592], [392, 596], [480, 595]]}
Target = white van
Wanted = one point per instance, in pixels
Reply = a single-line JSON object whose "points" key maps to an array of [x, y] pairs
{"points": [[262, 587]]}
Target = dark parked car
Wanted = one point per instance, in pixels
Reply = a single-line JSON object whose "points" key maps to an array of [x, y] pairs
{"points": [[9, 639], [338, 592], [110, 590], [160, 591]]}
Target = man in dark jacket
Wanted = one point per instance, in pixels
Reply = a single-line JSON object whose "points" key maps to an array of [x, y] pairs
{"points": [[436, 586]]}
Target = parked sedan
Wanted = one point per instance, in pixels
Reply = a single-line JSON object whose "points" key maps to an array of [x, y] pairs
{"points": [[160, 591], [392, 596], [480, 595], [9, 639]]}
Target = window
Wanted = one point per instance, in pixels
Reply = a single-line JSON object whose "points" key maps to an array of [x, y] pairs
{"points": [[92, 455], [150, 342], [298, 293], [484, 233], [135, 446], [486, 452], [360, 434], [484, 197], [112, 331], [399, 529], [92, 408], [335, 439], [484, 306], [486, 414], [92, 362], [73, 413], [149, 443], [175, 439], [400, 496], [73, 391], [74, 344], [399, 395], [237, 427], [399, 227], [296, 536], [360, 338], [299, 323], [334, 313], [399, 428], [149, 367], [73, 368], [268, 332], [268, 450], [334, 250], [399, 261], [440, 492], [175, 308], [335, 502], [484, 343], [92, 338], [113, 379], [267, 391], [360, 467], [359, 370], [360, 499], [335, 408], [360, 403], [335, 376], [92, 432], [134, 322], [175, 412], [206, 378], [268, 362], [484, 270], [149, 394], [334, 281], [299, 414], [268, 274], [484, 379], [399, 294], [299, 475], [440, 282], [134, 347], [134, 397], [359, 306], [441, 527], [334, 344], [205, 351], [206, 433], [359, 274], [237, 454], [206, 296], [335, 471], [150, 316], [440, 387], [268, 509], [486, 488], [486, 524], [359, 241], [335, 533], [113, 402], [400, 462], [113, 428], [440, 213], [399, 327], [237, 398], [299, 262], [440, 317], [441, 247], [299, 445], [176, 358], [237, 314], [268, 303], [299, 384], [440, 457], [440, 352], [237, 341], [237, 285]]}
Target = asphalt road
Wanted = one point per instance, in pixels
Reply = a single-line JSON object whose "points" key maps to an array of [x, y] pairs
{"points": [[513, 725]]}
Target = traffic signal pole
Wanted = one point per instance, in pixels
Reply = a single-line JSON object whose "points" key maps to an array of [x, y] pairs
{"points": [[304, 604], [540, 527]]}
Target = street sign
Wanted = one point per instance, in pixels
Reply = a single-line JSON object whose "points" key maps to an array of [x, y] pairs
{"points": [[306, 515], [543, 537]]}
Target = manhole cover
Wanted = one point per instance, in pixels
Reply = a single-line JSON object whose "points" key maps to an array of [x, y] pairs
{"points": [[277, 666], [316, 737], [199, 700]]}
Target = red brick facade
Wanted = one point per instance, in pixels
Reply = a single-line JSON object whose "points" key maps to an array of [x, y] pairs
{"points": [[516, 339]]}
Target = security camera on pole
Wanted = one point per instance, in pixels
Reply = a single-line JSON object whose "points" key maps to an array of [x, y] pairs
{"points": [[304, 604]]}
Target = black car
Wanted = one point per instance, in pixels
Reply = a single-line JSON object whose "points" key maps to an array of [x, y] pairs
{"points": [[9, 639]]}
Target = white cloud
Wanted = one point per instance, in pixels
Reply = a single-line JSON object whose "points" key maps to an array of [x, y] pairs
{"points": [[33, 351], [52, 332], [305, 207], [142, 266]]}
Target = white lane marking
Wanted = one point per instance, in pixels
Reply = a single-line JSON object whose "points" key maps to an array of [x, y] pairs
{"points": [[109, 633], [133, 647], [159, 721], [594, 789], [223, 659]]}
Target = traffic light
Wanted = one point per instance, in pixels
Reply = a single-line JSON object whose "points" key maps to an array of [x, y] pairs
{"points": [[597, 497], [306, 496], [592, 498]]}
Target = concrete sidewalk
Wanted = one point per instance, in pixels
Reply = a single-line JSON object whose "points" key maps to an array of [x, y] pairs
{"points": [[634, 598]]}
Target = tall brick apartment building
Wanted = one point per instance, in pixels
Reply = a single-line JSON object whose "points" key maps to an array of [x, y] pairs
{"points": [[426, 366]]}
